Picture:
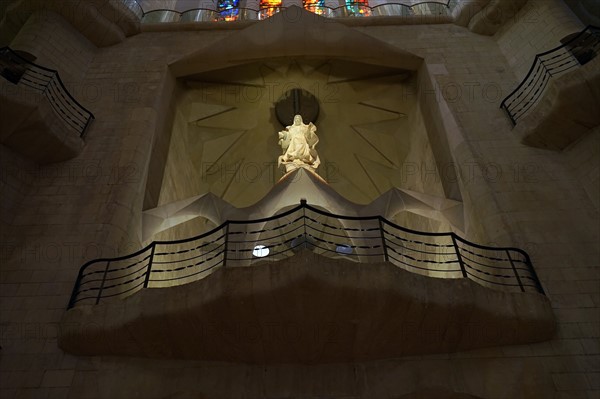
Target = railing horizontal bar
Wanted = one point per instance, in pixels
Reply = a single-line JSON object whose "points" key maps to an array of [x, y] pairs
{"points": [[112, 278], [341, 254], [344, 236], [123, 292], [492, 282], [429, 244], [426, 269], [419, 251], [253, 258], [188, 266], [189, 259], [484, 264], [156, 280], [123, 283], [183, 251], [489, 274], [424, 260], [415, 232], [117, 269], [266, 238]]}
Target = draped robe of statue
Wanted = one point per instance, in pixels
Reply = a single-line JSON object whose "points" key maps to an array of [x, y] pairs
{"points": [[298, 143]]}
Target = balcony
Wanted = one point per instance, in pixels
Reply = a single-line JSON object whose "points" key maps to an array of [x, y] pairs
{"points": [[46, 123], [556, 104], [578, 51], [441, 10], [306, 286]]}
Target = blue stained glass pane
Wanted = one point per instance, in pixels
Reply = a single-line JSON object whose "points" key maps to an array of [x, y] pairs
{"points": [[358, 7], [227, 4], [228, 9]]}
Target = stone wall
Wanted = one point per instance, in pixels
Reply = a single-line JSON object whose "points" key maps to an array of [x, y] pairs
{"points": [[57, 45], [582, 160], [15, 182], [514, 195]]}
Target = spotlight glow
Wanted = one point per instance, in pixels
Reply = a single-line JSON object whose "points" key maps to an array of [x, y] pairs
{"points": [[343, 249], [260, 251]]}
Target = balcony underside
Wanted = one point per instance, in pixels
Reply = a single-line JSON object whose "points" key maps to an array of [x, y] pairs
{"points": [[307, 309], [33, 129]]}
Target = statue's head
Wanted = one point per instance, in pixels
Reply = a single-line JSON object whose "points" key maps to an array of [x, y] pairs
{"points": [[298, 120]]}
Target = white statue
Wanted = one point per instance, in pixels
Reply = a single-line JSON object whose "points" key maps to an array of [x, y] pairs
{"points": [[298, 142]]}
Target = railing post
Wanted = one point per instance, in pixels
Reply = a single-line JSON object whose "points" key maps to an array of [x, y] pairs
{"points": [[225, 250], [102, 283], [87, 123], [505, 108], [75, 291], [535, 276], [303, 204], [383, 244], [515, 270], [45, 91], [147, 279], [460, 261]]}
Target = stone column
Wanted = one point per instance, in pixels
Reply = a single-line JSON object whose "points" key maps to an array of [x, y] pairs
{"points": [[251, 4], [332, 3], [289, 3], [186, 5], [149, 5]]}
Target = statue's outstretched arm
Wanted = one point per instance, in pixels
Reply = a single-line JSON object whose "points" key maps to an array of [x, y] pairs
{"points": [[284, 140], [312, 138]]}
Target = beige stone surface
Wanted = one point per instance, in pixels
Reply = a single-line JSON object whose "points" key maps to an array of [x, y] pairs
{"points": [[300, 34], [63, 215], [494, 15], [103, 22]]}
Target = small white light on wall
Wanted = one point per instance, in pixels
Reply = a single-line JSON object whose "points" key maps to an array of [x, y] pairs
{"points": [[343, 249], [260, 251]]}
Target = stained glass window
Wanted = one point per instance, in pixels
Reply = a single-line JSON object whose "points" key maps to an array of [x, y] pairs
{"points": [[269, 7], [358, 8], [228, 9], [316, 6]]}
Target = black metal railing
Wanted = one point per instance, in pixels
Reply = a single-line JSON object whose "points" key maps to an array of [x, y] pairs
{"points": [[359, 239], [577, 51], [20, 71], [441, 7], [135, 7]]}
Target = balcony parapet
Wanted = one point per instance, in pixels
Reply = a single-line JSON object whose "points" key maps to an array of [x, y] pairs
{"points": [[306, 286], [358, 239]]}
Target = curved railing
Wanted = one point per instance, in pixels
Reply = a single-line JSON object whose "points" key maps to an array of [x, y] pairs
{"points": [[20, 71], [248, 14], [577, 51], [134, 6], [359, 239]]}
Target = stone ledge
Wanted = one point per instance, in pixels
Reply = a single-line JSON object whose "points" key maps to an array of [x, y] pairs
{"points": [[308, 309]]}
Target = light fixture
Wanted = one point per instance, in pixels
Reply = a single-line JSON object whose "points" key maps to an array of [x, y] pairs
{"points": [[260, 251], [343, 249]]}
